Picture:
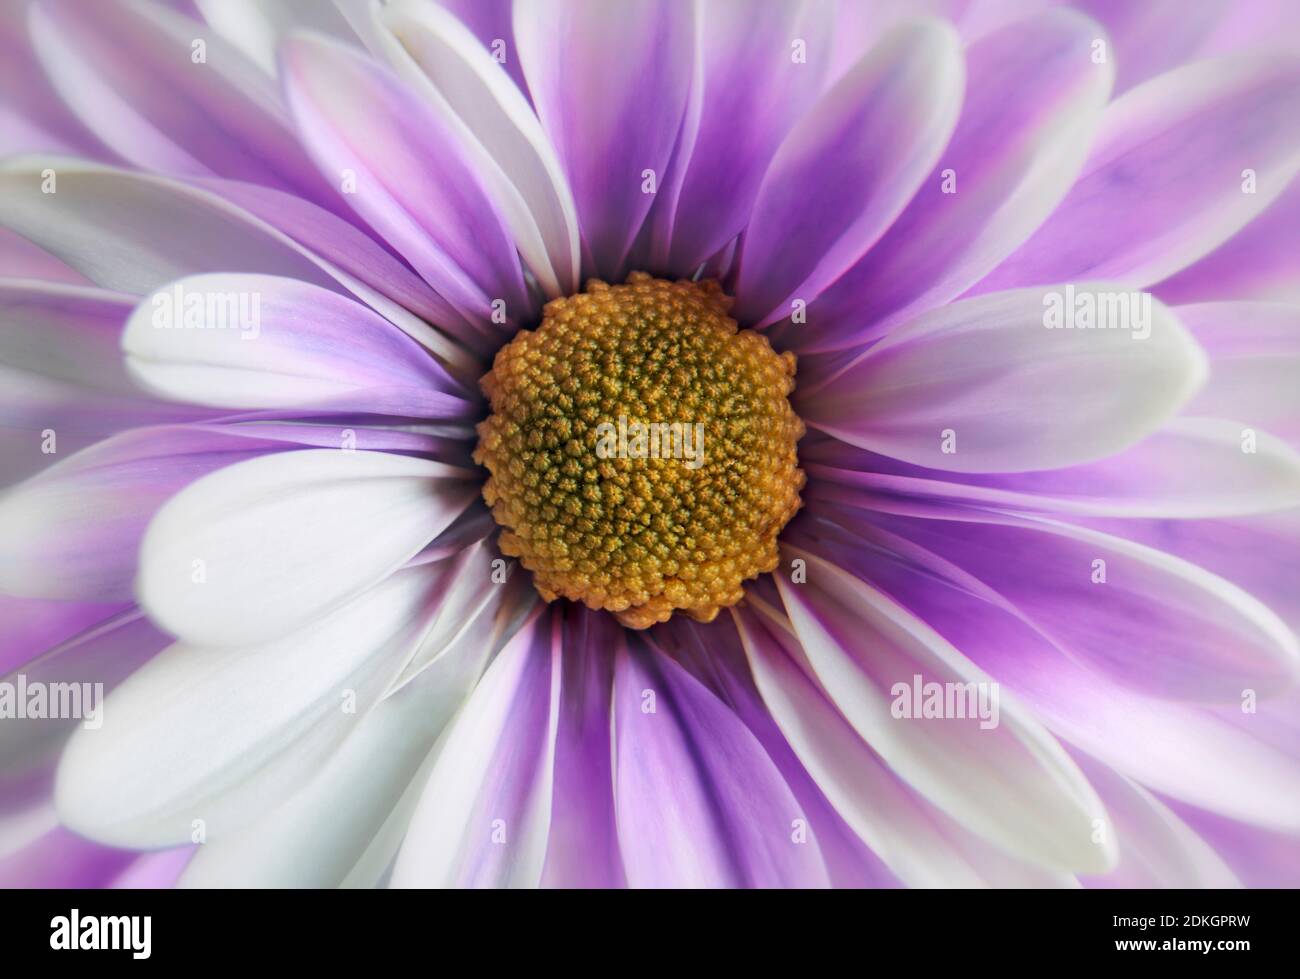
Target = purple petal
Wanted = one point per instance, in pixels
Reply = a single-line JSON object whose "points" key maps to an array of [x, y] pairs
{"points": [[582, 850], [1179, 749], [610, 84], [401, 169], [847, 169], [1261, 261], [260, 341], [484, 815], [699, 803], [1190, 468], [129, 72], [1254, 351], [1166, 181], [753, 91], [1033, 99], [74, 531], [1002, 777]]}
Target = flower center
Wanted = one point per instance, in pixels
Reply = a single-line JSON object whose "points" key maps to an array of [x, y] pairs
{"points": [[642, 452]]}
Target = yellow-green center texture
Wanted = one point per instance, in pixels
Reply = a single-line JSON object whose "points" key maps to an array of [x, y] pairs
{"points": [[579, 502]]}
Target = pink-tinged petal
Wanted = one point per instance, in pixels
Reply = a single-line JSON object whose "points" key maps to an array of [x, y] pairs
{"points": [[755, 85], [441, 60], [1004, 778], [132, 73], [1176, 748], [369, 785], [33, 625], [20, 259], [918, 843], [1156, 36], [610, 82], [859, 26], [1156, 848], [1256, 552], [62, 369], [1033, 99], [155, 869], [491, 22], [984, 385], [260, 341], [848, 167], [714, 653], [1190, 468], [62, 859], [33, 119], [1254, 351], [258, 549], [222, 734], [1259, 262], [134, 232], [1200, 637], [73, 532], [484, 814], [699, 802], [106, 653], [1258, 857], [582, 850], [403, 170], [256, 27], [336, 241], [1180, 164]]}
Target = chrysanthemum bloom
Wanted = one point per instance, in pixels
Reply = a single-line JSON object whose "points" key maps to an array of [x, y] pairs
{"points": [[651, 443]]}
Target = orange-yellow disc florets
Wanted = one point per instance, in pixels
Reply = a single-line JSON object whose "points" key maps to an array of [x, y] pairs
{"points": [[641, 450]]}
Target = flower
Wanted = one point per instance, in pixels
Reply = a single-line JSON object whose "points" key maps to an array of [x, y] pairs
{"points": [[1032, 267]]}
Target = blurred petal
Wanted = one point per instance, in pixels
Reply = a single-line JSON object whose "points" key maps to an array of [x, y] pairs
{"points": [[1254, 351], [1033, 100], [1016, 395], [134, 75], [1165, 183], [1011, 783], [220, 735], [849, 166], [1261, 261]]}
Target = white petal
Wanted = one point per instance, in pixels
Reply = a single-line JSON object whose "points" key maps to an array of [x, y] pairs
{"points": [[440, 58], [1015, 394], [484, 816], [1013, 784], [261, 548], [222, 735]]}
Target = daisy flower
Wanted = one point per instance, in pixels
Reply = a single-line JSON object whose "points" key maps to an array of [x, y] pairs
{"points": [[648, 443]]}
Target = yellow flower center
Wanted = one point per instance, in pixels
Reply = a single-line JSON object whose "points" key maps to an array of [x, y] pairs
{"points": [[642, 451]]}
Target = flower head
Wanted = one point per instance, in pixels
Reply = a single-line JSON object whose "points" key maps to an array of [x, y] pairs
{"points": [[650, 443]]}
